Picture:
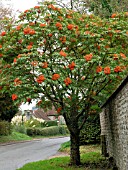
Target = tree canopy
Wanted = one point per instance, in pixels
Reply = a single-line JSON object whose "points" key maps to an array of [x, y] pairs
{"points": [[64, 59]]}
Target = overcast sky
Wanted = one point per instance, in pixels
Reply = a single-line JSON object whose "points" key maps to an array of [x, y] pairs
{"points": [[20, 4], [23, 4]]}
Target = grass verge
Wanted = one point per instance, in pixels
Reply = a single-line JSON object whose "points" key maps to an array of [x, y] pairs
{"points": [[65, 147], [15, 136], [91, 159]]}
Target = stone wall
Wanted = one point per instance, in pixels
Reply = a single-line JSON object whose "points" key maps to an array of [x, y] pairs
{"points": [[114, 125]]}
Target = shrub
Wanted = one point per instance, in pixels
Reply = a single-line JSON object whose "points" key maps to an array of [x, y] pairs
{"points": [[18, 120], [62, 130], [20, 129], [49, 131], [44, 124], [31, 131], [32, 123], [90, 134], [66, 128], [51, 123], [5, 128]]}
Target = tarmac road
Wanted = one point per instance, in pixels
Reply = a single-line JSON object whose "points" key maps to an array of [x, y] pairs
{"points": [[16, 155]]}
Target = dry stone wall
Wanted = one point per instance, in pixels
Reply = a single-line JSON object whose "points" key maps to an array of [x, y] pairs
{"points": [[114, 125]]}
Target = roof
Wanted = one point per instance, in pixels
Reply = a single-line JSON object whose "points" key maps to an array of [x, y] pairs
{"points": [[116, 91], [52, 112], [39, 113]]}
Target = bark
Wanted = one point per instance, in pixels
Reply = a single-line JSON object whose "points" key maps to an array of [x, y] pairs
{"points": [[74, 151], [72, 124]]}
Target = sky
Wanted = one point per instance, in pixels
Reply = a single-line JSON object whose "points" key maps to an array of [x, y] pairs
{"points": [[21, 4]]}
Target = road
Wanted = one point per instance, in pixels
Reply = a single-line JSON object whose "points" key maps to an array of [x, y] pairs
{"points": [[16, 155]]}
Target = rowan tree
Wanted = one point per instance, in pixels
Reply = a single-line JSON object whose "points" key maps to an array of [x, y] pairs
{"points": [[65, 59]]}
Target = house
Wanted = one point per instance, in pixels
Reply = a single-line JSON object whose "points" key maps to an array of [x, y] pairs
{"points": [[114, 126], [51, 114]]}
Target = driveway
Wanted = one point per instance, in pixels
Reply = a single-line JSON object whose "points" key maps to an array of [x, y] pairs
{"points": [[16, 155]]}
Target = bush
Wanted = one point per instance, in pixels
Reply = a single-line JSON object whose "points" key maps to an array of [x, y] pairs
{"points": [[62, 130], [5, 128], [18, 120], [51, 123], [32, 123], [90, 134], [49, 131], [20, 129], [66, 128]]}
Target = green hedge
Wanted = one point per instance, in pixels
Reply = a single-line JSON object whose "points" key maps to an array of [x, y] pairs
{"points": [[48, 131], [90, 134], [5, 128], [51, 123]]}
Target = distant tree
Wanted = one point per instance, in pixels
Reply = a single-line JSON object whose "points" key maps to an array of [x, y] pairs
{"points": [[7, 108], [6, 16], [105, 8], [102, 8]]}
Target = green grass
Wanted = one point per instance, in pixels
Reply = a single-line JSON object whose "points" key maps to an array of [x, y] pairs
{"points": [[15, 136], [90, 161], [91, 158], [64, 146]]}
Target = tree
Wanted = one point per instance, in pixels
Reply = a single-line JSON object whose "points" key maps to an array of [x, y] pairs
{"points": [[65, 59], [105, 8], [102, 8], [7, 108], [81, 6], [6, 16]]}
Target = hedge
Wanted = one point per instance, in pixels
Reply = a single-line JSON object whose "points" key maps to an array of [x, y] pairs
{"points": [[48, 131], [5, 128], [90, 134], [51, 123]]}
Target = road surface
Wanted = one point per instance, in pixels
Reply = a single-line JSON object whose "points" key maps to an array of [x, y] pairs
{"points": [[16, 155]]}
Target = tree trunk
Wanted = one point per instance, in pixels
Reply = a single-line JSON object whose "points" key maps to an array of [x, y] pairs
{"points": [[72, 124], [74, 151]]}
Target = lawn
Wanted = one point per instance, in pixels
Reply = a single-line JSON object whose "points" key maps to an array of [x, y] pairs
{"points": [[91, 159]]}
